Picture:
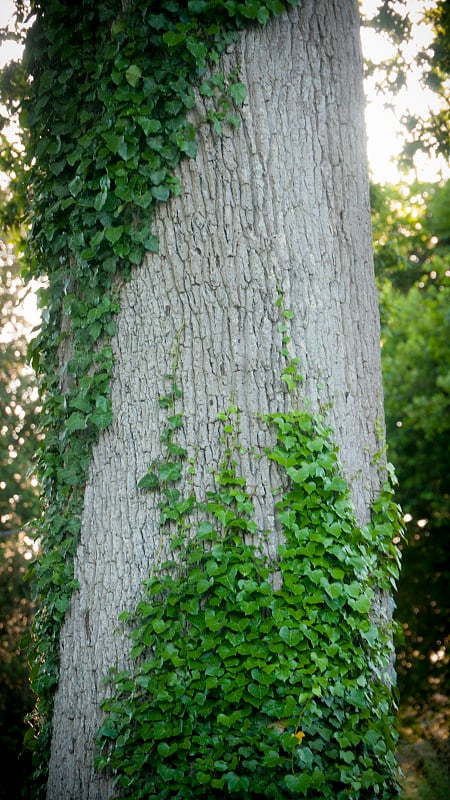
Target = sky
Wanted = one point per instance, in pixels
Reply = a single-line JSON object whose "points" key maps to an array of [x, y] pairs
{"points": [[8, 50], [384, 128], [383, 124]]}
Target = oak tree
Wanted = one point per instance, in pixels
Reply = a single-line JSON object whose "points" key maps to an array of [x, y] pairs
{"points": [[211, 344]]}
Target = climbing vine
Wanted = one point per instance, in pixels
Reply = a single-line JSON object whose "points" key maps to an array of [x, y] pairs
{"points": [[107, 89], [279, 687], [255, 678]]}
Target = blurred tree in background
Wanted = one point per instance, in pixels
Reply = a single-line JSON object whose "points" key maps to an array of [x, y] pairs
{"points": [[18, 507], [412, 255]]}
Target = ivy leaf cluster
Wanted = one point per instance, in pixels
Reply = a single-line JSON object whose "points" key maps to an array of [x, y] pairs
{"points": [[255, 679]]}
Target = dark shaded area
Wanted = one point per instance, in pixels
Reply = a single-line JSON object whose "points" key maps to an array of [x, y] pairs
{"points": [[16, 699]]}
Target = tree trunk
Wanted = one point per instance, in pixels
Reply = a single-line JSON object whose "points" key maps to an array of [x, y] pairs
{"points": [[280, 204]]}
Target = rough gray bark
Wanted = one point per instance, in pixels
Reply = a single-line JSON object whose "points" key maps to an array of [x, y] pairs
{"points": [[281, 203]]}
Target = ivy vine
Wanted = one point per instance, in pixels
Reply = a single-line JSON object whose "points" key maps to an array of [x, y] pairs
{"points": [[107, 91], [256, 679]]}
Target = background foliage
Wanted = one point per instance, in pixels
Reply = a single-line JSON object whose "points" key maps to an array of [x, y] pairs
{"points": [[412, 255], [412, 247]]}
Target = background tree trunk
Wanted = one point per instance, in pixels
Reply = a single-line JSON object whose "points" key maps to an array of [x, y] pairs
{"points": [[282, 203]]}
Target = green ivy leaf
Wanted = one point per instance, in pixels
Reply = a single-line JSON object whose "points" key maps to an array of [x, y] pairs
{"points": [[299, 475], [204, 530], [170, 471], [113, 234], [198, 49], [76, 186], [238, 92], [298, 783], [202, 586], [76, 422], [362, 605], [151, 243], [149, 124], [173, 39], [189, 147], [160, 192], [102, 416], [149, 481], [235, 783], [272, 759], [258, 691], [108, 730], [291, 636], [133, 74]]}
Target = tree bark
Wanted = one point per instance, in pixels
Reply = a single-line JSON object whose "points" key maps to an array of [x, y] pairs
{"points": [[281, 203]]}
